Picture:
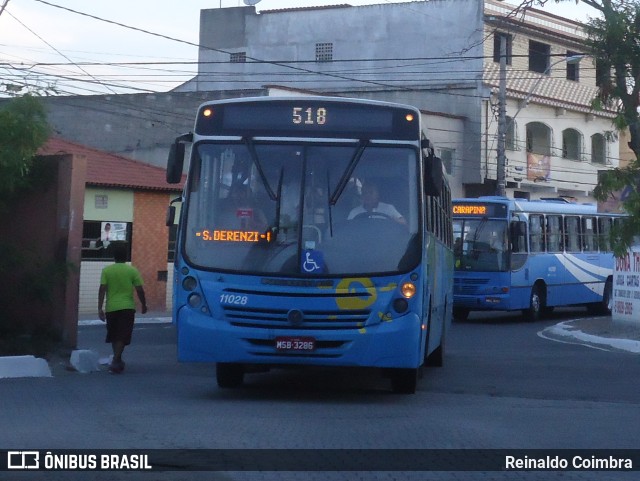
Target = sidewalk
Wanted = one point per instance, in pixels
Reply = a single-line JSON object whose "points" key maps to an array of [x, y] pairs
{"points": [[148, 318], [600, 332]]}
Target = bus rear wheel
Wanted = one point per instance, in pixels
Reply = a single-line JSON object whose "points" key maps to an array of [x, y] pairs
{"points": [[607, 298], [536, 305], [404, 381], [229, 375], [460, 314], [605, 306]]}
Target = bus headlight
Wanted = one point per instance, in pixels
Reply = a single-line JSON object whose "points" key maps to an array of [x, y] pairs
{"points": [[408, 290], [194, 300], [189, 283], [400, 305]]}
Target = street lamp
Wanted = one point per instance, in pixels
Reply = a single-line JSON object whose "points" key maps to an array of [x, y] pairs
{"points": [[502, 118]]}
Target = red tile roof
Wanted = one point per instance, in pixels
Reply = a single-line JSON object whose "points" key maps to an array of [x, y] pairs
{"points": [[110, 170]]}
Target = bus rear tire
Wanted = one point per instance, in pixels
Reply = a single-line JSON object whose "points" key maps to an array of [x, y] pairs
{"points": [[229, 375], [460, 314], [536, 305], [404, 381], [607, 298], [604, 307]]}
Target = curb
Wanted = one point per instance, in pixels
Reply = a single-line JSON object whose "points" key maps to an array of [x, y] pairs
{"points": [[569, 332], [139, 320]]}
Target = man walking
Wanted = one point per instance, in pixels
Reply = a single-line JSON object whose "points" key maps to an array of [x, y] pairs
{"points": [[118, 282]]}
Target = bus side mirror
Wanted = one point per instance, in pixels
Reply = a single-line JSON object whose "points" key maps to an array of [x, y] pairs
{"points": [[433, 176], [175, 163]]}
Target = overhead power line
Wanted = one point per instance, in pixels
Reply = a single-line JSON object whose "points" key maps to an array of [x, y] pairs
{"points": [[186, 42], [53, 48]]}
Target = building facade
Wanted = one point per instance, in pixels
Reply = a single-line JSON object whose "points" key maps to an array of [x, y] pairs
{"points": [[123, 200], [439, 56], [555, 142]]}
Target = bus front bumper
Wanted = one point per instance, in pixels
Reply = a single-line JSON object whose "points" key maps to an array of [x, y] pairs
{"points": [[389, 344], [489, 302]]}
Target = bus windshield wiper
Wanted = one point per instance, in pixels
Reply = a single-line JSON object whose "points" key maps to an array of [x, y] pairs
{"points": [[256, 161], [344, 180], [276, 227]]}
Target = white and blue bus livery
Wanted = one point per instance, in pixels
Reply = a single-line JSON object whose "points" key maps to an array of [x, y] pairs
{"points": [[515, 254]]}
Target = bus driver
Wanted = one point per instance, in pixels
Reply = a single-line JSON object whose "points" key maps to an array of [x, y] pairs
{"points": [[371, 204]]}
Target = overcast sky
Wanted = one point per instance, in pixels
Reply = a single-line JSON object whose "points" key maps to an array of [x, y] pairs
{"points": [[37, 32]]}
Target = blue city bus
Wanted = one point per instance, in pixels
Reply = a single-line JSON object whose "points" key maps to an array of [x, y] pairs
{"points": [[515, 254], [313, 231]]}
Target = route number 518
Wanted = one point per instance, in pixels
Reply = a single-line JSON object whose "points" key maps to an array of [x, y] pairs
{"points": [[309, 116]]}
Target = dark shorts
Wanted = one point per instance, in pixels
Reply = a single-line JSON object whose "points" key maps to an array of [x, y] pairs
{"points": [[120, 325]]}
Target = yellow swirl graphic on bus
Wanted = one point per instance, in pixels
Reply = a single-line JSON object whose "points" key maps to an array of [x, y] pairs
{"points": [[352, 285]]}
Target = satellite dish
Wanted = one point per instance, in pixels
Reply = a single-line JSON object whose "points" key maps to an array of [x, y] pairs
{"points": [[251, 2]]}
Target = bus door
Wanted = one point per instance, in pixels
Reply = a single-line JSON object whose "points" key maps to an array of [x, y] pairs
{"points": [[519, 252], [595, 264], [554, 273]]}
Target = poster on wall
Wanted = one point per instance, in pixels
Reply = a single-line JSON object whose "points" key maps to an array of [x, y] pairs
{"points": [[626, 286], [113, 231], [538, 167]]}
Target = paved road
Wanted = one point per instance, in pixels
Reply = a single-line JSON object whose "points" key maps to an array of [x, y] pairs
{"points": [[502, 387]]}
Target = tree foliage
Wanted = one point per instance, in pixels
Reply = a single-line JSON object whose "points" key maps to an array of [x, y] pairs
{"points": [[23, 130], [613, 39], [614, 43]]}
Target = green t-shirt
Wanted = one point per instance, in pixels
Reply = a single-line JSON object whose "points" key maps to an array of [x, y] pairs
{"points": [[120, 279]]}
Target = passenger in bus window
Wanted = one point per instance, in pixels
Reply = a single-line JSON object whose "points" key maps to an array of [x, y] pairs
{"points": [[239, 210], [371, 204]]}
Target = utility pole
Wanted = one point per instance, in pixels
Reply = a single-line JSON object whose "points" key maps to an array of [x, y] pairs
{"points": [[502, 120]]}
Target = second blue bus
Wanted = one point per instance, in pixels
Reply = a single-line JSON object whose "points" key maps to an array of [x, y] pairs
{"points": [[515, 254]]}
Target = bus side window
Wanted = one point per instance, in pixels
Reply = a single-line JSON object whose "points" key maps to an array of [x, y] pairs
{"points": [[572, 232], [589, 234], [554, 233], [536, 234], [604, 233]]}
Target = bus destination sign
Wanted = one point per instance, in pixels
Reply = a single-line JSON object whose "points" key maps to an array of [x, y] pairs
{"points": [[479, 210], [308, 118], [227, 235]]}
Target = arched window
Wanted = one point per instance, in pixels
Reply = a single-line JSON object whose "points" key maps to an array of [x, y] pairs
{"points": [[538, 138], [598, 149], [571, 144]]}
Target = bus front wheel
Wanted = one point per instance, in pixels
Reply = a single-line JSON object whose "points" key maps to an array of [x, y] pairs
{"points": [[229, 375], [404, 381], [536, 305]]}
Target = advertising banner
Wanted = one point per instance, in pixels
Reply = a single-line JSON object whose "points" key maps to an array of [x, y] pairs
{"points": [[626, 286]]}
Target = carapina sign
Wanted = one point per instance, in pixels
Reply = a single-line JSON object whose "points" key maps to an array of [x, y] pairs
{"points": [[626, 286]]}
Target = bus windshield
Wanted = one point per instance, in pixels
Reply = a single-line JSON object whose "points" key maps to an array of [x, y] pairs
{"points": [[303, 209], [480, 244]]}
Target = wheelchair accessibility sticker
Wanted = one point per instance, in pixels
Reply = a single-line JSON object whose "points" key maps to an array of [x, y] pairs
{"points": [[312, 261]]}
